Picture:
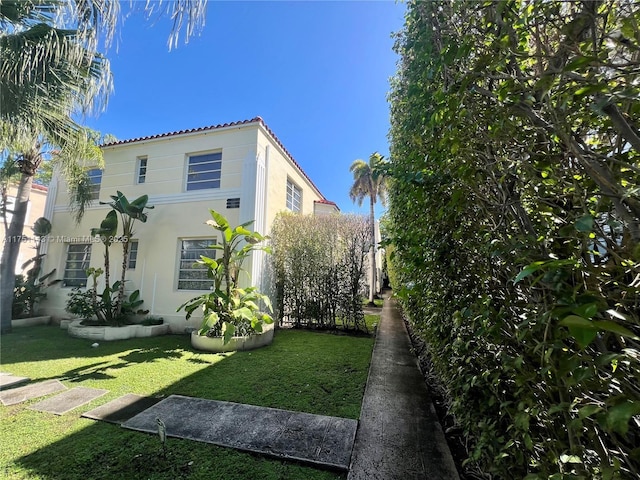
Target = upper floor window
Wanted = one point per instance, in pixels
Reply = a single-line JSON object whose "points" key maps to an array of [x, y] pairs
{"points": [[141, 169], [203, 171], [95, 179], [191, 275], [294, 197], [76, 264]]}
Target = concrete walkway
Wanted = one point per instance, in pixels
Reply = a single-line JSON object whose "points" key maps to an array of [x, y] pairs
{"points": [[398, 436]]}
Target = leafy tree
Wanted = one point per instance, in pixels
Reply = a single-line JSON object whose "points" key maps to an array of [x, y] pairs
{"points": [[369, 181]]}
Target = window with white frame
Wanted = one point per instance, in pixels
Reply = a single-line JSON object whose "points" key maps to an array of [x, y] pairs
{"points": [[141, 170], [77, 262], [191, 275], [95, 179], [204, 171], [132, 259], [294, 197]]}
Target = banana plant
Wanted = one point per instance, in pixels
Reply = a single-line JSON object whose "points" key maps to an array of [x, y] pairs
{"points": [[130, 212], [229, 310]]}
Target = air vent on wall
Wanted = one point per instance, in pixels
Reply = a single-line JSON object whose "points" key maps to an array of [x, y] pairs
{"points": [[233, 203]]}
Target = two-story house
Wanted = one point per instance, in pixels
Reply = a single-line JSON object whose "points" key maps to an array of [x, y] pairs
{"points": [[240, 169]]}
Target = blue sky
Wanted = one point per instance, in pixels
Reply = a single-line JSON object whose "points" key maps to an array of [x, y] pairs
{"points": [[316, 72]]}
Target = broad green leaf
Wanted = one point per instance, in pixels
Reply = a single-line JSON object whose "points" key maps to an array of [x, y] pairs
{"points": [[587, 311], [211, 319], [220, 222], [528, 270], [583, 330], [614, 327], [210, 262], [577, 63], [584, 224], [577, 321], [228, 330], [588, 410], [618, 417], [243, 312], [589, 89]]}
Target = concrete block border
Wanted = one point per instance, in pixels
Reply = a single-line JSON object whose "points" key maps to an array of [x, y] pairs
{"points": [[216, 344], [104, 333]]}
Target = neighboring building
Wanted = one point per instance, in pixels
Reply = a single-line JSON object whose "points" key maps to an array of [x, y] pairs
{"points": [[35, 210], [240, 169]]}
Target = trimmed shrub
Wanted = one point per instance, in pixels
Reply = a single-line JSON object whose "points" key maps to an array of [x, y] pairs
{"points": [[515, 219], [319, 264]]}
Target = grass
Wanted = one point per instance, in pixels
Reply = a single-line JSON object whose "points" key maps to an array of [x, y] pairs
{"points": [[377, 302], [304, 371]]}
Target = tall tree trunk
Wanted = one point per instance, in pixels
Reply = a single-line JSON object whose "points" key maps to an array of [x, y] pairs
{"points": [[372, 253], [11, 250]]}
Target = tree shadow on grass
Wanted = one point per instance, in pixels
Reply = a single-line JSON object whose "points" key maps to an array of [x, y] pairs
{"points": [[41, 343], [302, 371]]}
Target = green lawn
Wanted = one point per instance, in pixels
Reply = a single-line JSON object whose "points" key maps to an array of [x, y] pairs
{"points": [[305, 371]]}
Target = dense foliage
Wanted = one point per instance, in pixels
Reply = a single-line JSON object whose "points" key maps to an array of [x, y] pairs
{"points": [[515, 219], [319, 267]]}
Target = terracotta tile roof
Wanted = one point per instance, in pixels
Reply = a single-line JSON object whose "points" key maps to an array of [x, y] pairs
{"points": [[42, 188], [258, 120]]}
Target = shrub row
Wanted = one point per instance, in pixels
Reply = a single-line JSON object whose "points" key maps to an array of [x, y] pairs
{"points": [[319, 265], [515, 221]]}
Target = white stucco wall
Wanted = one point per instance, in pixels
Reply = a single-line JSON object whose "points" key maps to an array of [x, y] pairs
{"points": [[177, 215], [254, 168]]}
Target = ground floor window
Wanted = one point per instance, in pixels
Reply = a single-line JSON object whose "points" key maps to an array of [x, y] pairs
{"points": [[75, 267], [133, 254], [192, 276]]}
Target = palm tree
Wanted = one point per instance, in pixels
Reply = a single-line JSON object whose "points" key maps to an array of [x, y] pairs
{"points": [[369, 181], [49, 51], [27, 157], [51, 70]]}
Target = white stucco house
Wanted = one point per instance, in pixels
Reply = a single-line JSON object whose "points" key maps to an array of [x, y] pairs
{"points": [[240, 169]]}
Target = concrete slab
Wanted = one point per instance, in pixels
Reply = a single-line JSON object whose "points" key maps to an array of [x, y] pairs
{"points": [[34, 390], [11, 381], [314, 439], [69, 400], [399, 436], [121, 409]]}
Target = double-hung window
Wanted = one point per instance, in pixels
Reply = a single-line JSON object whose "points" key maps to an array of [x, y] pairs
{"points": [[191, 275], [95, 179], [294, 197], [75, 267], [204, 170]]}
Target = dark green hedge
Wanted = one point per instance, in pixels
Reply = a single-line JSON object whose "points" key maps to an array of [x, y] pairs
{"points": [[515, 221]]}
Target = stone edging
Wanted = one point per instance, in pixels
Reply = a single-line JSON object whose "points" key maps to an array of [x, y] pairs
{"points": [[216, 344], [105, 333]]}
